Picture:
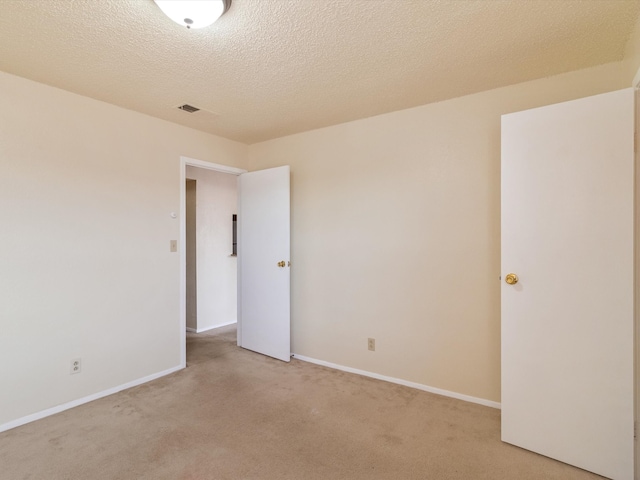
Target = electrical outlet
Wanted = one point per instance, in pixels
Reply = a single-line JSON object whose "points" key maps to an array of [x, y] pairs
{"points": [[76, 365], [173, 245], [372, 344]]}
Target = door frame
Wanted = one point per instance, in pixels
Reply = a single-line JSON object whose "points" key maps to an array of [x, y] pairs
{"points": [[184, 163], [636, 286]]}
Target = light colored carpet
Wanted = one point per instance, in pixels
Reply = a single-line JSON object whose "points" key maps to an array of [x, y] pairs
{"points": [[234, 414]]}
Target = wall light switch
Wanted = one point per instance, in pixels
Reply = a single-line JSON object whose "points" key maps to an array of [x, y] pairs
{"points": [[173, 245]]}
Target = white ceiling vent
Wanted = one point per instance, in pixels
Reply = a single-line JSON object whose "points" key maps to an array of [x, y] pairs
{"points": [[188, 108]]}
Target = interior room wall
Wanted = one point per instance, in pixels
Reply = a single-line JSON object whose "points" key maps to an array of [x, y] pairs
{"points": [[191, 267], [216, 200], [396, 234], [86, 195]]}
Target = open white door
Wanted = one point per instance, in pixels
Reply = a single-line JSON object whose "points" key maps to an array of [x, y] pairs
{"points": [[568, 323], [263, 262]]}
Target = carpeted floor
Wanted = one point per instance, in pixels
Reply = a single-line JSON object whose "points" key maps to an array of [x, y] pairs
{"points": [[234, 414]]}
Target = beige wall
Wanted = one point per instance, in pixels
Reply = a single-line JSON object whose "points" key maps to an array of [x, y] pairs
{"points": [[191, 257], [216, 200], [632, 53], [396, 234], [86, 192]]}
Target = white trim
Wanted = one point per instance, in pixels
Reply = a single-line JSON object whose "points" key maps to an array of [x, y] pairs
{"points": [[219, 325], [636, 273], [192, 162], [399, 381], [636, 80], [80, 401]]}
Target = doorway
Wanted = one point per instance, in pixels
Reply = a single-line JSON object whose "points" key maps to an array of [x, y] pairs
{"points": [[208, 283], [263, 281], [211, 205]]}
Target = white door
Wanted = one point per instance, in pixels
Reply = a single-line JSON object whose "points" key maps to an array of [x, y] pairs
{"points": [[263, 262], [567, 324]]}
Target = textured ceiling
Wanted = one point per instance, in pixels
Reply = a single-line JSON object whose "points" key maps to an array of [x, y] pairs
{"points": [[270, 68]]}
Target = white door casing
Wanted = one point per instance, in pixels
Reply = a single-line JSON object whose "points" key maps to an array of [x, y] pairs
{"points": [[568, 324], [263, 242]]}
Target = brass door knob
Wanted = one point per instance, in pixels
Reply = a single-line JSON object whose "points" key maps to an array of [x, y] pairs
{"points": [[281, 264], [511, 278]]}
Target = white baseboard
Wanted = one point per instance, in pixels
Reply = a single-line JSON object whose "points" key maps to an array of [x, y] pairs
{"points": [[66, 406], [399, 381], [200, 330]]}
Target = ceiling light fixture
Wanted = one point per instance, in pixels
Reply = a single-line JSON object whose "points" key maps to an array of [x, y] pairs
{"points": [[193, 13]]}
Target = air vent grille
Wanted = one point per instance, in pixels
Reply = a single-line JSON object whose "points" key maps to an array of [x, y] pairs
{"points": [[188, 108]]}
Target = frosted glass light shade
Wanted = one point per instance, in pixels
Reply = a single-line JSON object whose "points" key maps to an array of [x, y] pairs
{"points": [[193, 13]]}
